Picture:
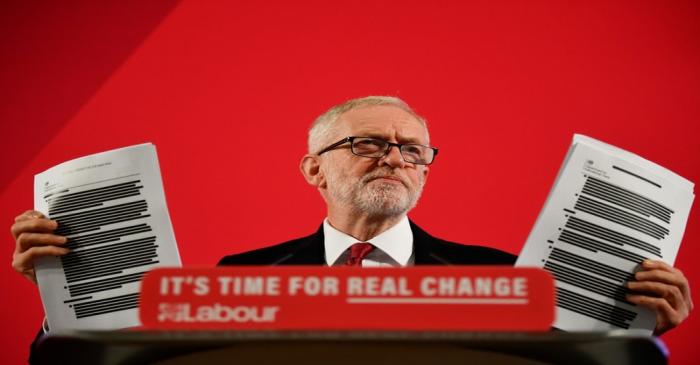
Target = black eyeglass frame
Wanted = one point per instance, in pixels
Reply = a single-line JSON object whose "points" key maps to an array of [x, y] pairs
{"points": [[386, 151]]}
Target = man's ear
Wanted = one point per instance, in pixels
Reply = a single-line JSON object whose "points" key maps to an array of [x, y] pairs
{"points": [[310, 167], [425, 172]]}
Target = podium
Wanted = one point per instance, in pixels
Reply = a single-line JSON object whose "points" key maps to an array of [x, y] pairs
{"points": [[284, 347], [215, 322]]}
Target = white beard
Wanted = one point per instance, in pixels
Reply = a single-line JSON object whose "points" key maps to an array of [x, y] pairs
{"points": [[374, 197]]}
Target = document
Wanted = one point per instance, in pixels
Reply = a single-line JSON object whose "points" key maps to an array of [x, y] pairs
{"points": [[607, 211], [112, 208]]}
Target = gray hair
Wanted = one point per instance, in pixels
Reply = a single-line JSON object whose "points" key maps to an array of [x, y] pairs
{"points": [[322, 128]]}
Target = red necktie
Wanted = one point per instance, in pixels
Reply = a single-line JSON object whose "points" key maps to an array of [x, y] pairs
{"points": [[358, 252]]}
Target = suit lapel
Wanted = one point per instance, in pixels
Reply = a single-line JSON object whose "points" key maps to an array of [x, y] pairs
{"points": [[309, 251], [424, 248]]}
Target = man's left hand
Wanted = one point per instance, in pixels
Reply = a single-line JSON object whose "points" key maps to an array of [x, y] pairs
{"points": [[664, 290]]}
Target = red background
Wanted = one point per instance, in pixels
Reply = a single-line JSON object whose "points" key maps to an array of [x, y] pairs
{"points": [[226, 90]]}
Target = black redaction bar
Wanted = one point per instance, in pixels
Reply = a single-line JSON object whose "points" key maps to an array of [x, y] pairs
{"points": [[594, 245], [112, 235], [589, 265], [610, 235], [627, 199], [595, 309], [587, 282], [94, 197], [108, 305], [619, 216], [104, 284]]}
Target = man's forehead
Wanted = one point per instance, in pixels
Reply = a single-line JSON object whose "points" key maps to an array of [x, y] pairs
{"points": [[383, 121]]}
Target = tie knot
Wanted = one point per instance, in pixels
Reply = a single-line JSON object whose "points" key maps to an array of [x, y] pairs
{"points": [[358, 252]]}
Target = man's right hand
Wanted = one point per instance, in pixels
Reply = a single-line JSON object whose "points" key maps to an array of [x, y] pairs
{"points": [[34, 238]]}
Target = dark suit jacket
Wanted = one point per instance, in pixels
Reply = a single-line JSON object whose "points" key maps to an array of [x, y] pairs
{"points": [[428, 250]]}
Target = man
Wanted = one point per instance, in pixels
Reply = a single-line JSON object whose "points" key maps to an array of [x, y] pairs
{"points": [[369, 160]]}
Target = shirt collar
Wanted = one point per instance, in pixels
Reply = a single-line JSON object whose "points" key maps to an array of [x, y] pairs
{"points": [[397, 242]]}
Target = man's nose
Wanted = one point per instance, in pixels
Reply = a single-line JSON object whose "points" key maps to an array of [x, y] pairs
{"points": [[393, 158]]}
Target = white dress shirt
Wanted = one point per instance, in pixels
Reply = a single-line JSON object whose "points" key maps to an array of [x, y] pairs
{"points": [[393, 247]]}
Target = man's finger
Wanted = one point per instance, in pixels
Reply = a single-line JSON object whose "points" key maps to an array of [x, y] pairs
{"points": [[667, 317], [669, 292], [24, 261], [39, 225], [663, 276], [658, 265], [655, 304], [27, 240], [29, 214]]}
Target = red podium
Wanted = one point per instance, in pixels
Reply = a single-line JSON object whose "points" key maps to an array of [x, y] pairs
{"points": [[313, 315]]}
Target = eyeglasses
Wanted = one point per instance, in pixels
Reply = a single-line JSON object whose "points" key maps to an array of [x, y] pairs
{"points": [[378, 148]]}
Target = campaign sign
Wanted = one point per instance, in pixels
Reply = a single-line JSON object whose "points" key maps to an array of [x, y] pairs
{"points": [[474, 298]]}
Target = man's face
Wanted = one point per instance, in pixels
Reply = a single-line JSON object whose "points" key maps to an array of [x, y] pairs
{"points": [[375, 187]]}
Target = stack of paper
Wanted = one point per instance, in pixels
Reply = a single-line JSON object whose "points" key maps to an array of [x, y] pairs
{"points": [[111, 206], [608, 210]]}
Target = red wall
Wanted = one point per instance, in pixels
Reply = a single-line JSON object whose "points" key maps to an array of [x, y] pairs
{"points": [[226, 90]]}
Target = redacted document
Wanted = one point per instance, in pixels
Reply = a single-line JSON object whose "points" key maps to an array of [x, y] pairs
{"points": [[608, 210], [111, 206]]}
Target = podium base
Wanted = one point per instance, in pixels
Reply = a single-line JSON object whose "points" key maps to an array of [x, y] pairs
{"points": [[262, 348]]}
